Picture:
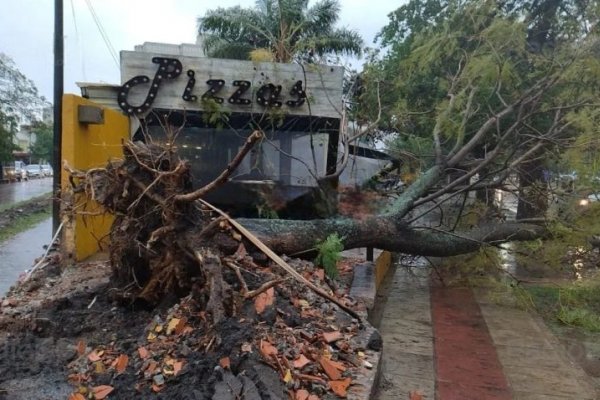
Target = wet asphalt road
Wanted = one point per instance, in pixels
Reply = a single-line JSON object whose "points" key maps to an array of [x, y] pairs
{"points": [[18, 253], [20, 191]]}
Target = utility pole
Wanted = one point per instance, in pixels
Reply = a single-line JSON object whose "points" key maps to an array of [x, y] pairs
{"points": [[58, 93]]}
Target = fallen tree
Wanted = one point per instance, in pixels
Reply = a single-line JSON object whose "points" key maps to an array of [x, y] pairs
{"points": [[166, 239]]}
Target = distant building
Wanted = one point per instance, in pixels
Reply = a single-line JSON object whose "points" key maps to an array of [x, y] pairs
{"points": [[25, 136]]}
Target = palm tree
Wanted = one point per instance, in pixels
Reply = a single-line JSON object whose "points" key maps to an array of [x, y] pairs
{"points": [[287, 29]]}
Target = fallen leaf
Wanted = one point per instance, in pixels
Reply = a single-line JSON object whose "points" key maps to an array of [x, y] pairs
{"points": [[333, 336], [415, 395], [100, 392], [172, 325], [264, 300], [77, 378], [340, 387], [300, 362], [301, 394], [267, 349], [332, 372], [177, 365], [81, 347], [181, 326], [313, 397], [151, 336], [158, 328], [121, 363], [143, 352], [288, 376], [338, 365], [76, 396], [225, 363], [94, 356], [156, 388], [151, 367]]}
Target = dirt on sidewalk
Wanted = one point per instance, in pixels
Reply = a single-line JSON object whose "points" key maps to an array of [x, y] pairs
{"points": [[64, 335]]}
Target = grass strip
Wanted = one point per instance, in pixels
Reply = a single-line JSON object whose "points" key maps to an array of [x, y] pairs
{"points": [[21, 204], [26, 221]]}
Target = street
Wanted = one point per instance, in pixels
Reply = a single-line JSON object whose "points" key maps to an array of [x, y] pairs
{"points": [[19, 191], [18, 253]]}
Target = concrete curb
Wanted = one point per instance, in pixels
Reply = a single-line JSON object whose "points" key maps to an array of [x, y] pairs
{"points": [[366, 281]]}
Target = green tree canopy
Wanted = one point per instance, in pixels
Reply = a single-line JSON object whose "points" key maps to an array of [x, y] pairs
{"points": [[287, 29], [42, 148], [453, 65]]}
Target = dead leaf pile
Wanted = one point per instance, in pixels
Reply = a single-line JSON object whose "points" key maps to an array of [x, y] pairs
{"points": [[306, 339]]}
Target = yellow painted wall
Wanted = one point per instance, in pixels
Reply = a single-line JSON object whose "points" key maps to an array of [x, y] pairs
{"points": [[86, 146], [382, 266]]}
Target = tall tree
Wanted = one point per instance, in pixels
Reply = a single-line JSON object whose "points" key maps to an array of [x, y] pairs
{"points": [[7, 133], [287, 29], [449, 71], [42, 148]]}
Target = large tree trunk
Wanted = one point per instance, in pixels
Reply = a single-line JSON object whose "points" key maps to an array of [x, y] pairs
{"points": [[166, 240], [294, 237]]}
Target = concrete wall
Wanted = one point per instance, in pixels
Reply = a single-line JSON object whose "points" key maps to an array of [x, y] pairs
{"points": [[86, 146]]}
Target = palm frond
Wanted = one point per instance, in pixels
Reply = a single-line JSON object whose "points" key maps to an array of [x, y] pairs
{"points": [[322, 16], [339, 41]]}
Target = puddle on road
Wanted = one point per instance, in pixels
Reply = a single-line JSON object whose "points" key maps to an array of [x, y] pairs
{"points": [[18, 253]]}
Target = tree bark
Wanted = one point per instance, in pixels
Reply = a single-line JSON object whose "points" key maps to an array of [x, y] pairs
{"points": [[292, 237]]}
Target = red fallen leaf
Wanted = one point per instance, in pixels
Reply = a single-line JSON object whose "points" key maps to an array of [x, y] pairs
{"points": [[121, 363], [81, 347], [156, 388], [143, 352], [77, 378], [338, 365], [151, 367], [100, 392], [331, 371], [301, 394], [263, 300], [181, 326], [177, 365], [225, 363], [340, 387], [300, 362], [331, 337], [415, 395], [267, 349], [94, 356], [76, 396]]}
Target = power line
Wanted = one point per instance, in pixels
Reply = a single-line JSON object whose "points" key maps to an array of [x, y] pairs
{"points": [[103, 33], [78, 40]]}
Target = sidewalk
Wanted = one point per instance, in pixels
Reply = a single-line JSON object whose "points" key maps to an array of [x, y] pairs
{"points": [[454, 344]]}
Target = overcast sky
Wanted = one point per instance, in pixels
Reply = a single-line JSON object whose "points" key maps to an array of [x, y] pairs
{"points": [[26, 32]]}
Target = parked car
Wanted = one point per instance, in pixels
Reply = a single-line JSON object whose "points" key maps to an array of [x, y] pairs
{"points": [[13, 171], [47, 170], [34, 171]]}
